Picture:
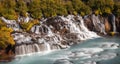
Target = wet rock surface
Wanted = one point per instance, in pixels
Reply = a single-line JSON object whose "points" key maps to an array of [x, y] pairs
{"points": [[53, 33], [59, 32], [118, 24]]}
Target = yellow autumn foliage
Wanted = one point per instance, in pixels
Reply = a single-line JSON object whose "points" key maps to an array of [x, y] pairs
{"points": [[5, 35], [112, 33], [28, 26]]}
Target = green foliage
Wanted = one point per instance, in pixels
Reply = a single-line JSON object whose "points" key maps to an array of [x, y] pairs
{"points": [[35, 9], [61, 9], [69, 7], [21, 8], [116, 10], [10, 9], [53, 8], [2, 43], [101, 6], [5, 35], [27, 26], [80, 7], [10, 14]]}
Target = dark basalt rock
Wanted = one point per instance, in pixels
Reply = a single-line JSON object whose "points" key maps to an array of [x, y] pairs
{"points": [[56, 22], [88, 23], [10, 48], [111, 19], [118, 24], [107, 21]]}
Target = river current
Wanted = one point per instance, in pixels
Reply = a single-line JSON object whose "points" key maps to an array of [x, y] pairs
{"points": [[105, 50]]}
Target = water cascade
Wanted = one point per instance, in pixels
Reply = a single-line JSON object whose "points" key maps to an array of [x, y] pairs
{"points": [[98, 24], [52, 33], [11, 23], [113, 22]]}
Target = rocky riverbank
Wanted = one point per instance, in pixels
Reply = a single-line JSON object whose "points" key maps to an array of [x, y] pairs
{"points": [[7, 54], [57, 33], [6, 57]]}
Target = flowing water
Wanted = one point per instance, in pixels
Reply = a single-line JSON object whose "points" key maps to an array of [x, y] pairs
{"points": [[98, 24], [93, 51], [114, 24], [43, 44], [55, 33]]}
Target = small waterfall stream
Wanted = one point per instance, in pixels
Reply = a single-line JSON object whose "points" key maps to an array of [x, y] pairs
{"points": [[47, 47], [114, 24], [98, 24]]}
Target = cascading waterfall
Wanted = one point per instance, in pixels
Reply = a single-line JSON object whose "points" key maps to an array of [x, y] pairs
{"points": [[98, 24], [12, 24], [113, 23], [60, 32], [78, 27], [114, 27], [47, 47], [111, 19]]}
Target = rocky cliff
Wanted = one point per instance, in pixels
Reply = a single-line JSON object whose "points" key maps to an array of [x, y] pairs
{"points": [[58, 32]]}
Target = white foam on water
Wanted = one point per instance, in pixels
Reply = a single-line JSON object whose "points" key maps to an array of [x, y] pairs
{"points": [[105, 56], [90, 50], [85, 53], [88, 62], [109, 45], [63, 61]]}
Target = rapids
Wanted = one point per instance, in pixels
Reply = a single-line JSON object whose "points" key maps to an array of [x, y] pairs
{"points": [[63, 40], [92, 51]]}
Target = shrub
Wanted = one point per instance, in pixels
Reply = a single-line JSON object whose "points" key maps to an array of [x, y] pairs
{"points": [[21, 8], [5, 35], [29, 25]]}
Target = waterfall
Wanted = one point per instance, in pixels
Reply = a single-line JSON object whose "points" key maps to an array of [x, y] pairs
{"points": [[37, 47], [114, 27], [26, 49], [98, 24], [113, 23], [12, 24], [78, 27], [47, 46], [54, 33], [111, 19]]}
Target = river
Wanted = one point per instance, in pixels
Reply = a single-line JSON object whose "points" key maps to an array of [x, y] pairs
{"points": [[103, 50]]}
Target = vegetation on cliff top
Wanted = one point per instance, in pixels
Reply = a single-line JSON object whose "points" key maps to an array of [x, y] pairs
{"points": [[49, 8], [11, 9]]}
